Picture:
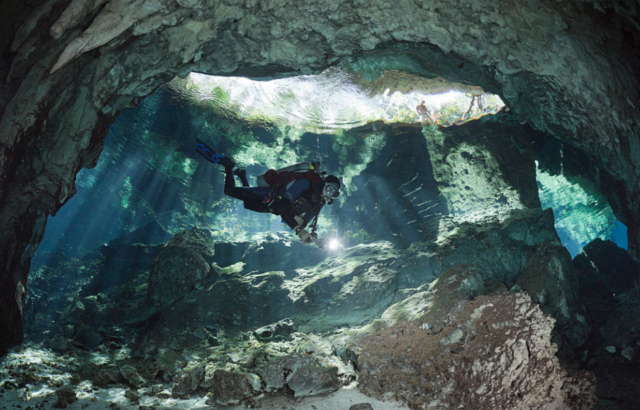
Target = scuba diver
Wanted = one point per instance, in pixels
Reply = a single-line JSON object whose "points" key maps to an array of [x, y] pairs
{"points": [[296, 193]]}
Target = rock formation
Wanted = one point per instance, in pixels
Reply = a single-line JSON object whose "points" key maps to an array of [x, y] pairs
{"points": [[492, 352], [71, 66], [238, 331], [609, 289]]}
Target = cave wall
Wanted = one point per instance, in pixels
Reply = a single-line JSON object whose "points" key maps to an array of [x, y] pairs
{"points": [[69, 68]]}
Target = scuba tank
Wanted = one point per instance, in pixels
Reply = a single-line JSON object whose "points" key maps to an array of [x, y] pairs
{"points": [[299, 167]]}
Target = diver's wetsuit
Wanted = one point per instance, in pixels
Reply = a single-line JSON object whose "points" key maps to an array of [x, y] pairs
{"points": [[301, 191]]}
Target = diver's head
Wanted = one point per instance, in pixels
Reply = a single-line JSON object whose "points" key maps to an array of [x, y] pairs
{"points": [[331, 188]]}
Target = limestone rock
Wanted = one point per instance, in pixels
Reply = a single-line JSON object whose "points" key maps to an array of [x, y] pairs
{"points": [[608, 279], [227, 300], [149, 234], [482, 170], [189, 378], [567, 68], [66, 397], [551, 281], [603, 267], [131, 375], [278, 254], [500, 248], [361, 406], [229, 388], [314, 381], [115, 17], [506, 360], [181, 264], [305, 373], [349, 288], [59, 343], [101, 376], [279, 329], [277, 372], [169, 361], [606, 275], [133, 397], [438, 304]]}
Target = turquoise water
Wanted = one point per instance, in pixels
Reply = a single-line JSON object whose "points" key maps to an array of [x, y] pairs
{"points": [[581, 212]]}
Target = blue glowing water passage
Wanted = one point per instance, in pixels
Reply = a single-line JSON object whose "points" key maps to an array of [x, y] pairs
{"points": [[581, 212]]}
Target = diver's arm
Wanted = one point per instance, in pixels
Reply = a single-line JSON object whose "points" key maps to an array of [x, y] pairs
{"points": [[308, 217], [285, 210]]}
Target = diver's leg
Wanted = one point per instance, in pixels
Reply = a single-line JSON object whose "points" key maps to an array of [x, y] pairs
{"points": [[242, 174], [252, 197], [244, 194]]}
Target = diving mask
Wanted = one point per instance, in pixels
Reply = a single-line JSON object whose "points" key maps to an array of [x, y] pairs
{"points": [[331, 190]]}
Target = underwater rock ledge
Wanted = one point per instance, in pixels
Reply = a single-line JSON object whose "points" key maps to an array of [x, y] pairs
{"points": [[494, 353]]}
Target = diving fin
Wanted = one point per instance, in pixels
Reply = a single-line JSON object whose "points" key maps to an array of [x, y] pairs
{"points": [[211, 156]]}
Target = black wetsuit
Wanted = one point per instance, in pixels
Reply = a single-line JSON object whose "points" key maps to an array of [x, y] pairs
{"points": [[300, 197]]}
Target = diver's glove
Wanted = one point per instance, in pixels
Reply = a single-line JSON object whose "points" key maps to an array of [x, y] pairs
{"points": [[321, 242], [304, 236]]}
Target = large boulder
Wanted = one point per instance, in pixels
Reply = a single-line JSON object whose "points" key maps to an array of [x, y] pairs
{"points": [[495, 352], [183, 262]]}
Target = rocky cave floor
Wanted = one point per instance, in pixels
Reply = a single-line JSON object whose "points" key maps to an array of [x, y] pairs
{"points": [[494, 315]]}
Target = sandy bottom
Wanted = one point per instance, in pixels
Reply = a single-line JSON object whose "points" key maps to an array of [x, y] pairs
{"points": [[114, 399]]}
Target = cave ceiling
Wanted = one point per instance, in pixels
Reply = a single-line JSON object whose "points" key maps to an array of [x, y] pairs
{"points": [[70, 67]]}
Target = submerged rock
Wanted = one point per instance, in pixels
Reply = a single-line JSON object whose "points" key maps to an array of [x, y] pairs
{"points": [[361, 406], [609, 289], [347, 289], [482, 169], [279, 329], [499, 247], [183, 262], [230, 387], [280, 254], [605, 270], [150, 234], [314, 381], [305, 373], [437, 304], [59, 343], [504, 360], [551, 281], [131, 375], [189, 378], [100, 375], [66, 397]]}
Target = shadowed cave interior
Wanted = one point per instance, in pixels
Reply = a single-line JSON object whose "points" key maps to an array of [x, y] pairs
{"points": [[482, 256], [407, 185]]}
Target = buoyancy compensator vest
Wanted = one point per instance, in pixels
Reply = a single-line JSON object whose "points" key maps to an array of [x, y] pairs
{"points": [[273, 177]]}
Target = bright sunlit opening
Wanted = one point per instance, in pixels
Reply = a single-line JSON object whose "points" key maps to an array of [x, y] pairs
{"points": [[334, 100]]}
